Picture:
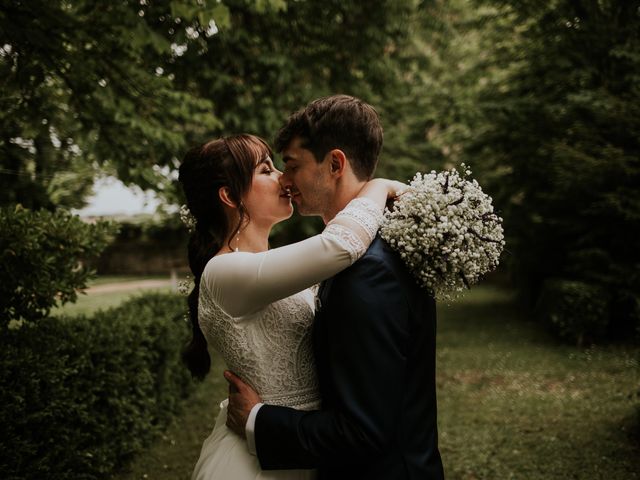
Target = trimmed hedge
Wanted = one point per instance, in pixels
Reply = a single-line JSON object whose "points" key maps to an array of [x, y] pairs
{"points": [[81, 395]]}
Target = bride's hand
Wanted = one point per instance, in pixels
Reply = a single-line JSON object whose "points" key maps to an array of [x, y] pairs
{"points": [[382, 191], [393, 188]]}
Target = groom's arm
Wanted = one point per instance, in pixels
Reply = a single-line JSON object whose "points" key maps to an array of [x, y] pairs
{"points": [[367, 355]]}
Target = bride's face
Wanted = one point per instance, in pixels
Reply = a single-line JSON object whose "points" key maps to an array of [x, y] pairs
{"points": [[266, 201]]}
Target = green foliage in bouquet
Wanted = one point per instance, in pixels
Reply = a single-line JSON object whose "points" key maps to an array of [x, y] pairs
{"points": [[80, 396], [43, 260]]}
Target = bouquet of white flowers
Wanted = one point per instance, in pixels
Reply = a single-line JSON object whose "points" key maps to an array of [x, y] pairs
{"points": [[445, 230]]}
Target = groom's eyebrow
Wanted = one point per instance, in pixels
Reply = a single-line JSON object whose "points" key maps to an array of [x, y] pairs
{"points": [[286, 158]]}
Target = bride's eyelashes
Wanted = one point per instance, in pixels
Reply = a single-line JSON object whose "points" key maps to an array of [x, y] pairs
{"points": [[267, 167]]}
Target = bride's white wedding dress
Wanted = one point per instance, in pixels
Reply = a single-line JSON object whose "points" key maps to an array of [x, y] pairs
{"points": [[256, 310]]}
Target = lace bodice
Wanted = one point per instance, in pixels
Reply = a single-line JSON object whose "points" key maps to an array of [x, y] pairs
{"points": [[256, 309], [272, 352]]}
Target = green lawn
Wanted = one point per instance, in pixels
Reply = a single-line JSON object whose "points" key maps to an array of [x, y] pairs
{"points": [[108, 279], [513, 403], [89, 303]]}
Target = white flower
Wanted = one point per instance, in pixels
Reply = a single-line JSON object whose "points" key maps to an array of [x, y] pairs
{"points": [[445, 231], [185, 286], [187, 218]]}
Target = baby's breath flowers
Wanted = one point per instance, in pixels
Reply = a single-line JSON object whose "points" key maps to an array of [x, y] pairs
{"points": [[187, 218], [185, 286], [445, 230]]}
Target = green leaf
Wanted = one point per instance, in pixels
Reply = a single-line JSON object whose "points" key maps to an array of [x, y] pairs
{"points": [[219, 13]]}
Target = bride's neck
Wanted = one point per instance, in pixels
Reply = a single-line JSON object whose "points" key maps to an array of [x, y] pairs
{"points": [[251, 238]]}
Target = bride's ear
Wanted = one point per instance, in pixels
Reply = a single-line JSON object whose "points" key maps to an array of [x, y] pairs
{"points": [[225, 197]]}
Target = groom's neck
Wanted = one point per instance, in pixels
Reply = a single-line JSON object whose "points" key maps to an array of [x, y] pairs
{"points": [[345, 192]]}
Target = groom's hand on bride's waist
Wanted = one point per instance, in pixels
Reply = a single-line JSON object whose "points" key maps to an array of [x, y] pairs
{"points": [[242, 398]]}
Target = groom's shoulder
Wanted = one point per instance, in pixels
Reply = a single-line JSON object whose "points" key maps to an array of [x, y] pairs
{"points": [[381, 255], [381, 251], [378, 255]]}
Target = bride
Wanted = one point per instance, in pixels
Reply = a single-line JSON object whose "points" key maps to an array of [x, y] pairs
{"points": [[255, 306]]}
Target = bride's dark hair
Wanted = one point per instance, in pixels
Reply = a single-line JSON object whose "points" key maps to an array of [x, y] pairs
{"points": [[226, 162]]}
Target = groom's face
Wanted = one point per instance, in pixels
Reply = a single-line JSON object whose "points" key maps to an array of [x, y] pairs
{"points": [[308, 180]]}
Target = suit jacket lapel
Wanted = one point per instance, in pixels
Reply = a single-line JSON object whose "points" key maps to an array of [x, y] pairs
{"points": [[319, 340], [323, 294]]}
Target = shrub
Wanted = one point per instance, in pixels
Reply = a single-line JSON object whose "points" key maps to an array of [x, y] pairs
{"points": [[81, 395], [43, 260], [575, 311]]}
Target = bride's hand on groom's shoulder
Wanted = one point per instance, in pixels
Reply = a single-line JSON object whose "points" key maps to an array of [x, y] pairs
{"points": [[242, 399], [393, 188], [381, 190]]}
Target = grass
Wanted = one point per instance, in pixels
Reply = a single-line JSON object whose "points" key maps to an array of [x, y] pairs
{"points": [[89, 303], [106, 279], [513, 403]]}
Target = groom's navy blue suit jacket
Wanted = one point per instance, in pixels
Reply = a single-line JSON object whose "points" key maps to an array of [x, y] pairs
{"points": [[374, 341]]}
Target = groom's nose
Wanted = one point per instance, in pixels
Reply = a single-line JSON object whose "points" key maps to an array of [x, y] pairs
{"points": [[285, 182]]}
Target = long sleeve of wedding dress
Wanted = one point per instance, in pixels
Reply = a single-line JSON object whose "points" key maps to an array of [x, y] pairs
{"points": [[242, 283]]}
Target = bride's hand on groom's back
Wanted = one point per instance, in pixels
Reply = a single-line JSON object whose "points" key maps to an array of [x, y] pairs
{"points": [[242, 399]]}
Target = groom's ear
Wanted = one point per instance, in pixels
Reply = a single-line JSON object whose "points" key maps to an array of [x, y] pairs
{"points": [[337, 162], [225, 196]]}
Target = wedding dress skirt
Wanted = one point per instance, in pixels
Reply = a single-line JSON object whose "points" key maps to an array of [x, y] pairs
{"points": [[224, 456]]}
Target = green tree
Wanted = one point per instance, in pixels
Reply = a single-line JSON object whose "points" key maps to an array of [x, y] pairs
{"points": [[562, 131], [128, 86], [273, 60], [84, 85], [430, 113]]}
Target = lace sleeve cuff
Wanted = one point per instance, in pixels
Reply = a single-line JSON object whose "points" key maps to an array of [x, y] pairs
{"points": [[355, 226]]}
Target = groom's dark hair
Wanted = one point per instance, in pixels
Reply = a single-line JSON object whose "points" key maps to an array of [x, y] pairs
{"points": [[339, 121]]}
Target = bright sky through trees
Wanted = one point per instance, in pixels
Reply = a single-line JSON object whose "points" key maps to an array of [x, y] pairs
{"points": [[112, 197]]}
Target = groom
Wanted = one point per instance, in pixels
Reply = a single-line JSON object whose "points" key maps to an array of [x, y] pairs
{"points": [[374, 331]]}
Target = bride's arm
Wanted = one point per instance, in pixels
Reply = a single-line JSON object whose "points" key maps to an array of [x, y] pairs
{"points": [[242, 283]]}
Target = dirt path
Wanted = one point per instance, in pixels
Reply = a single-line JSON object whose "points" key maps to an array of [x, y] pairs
{"points": [[132, 285]]}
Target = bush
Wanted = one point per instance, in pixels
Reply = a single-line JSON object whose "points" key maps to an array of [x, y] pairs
{"points": [[575, 311], [43, 260], [81, 395]]}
